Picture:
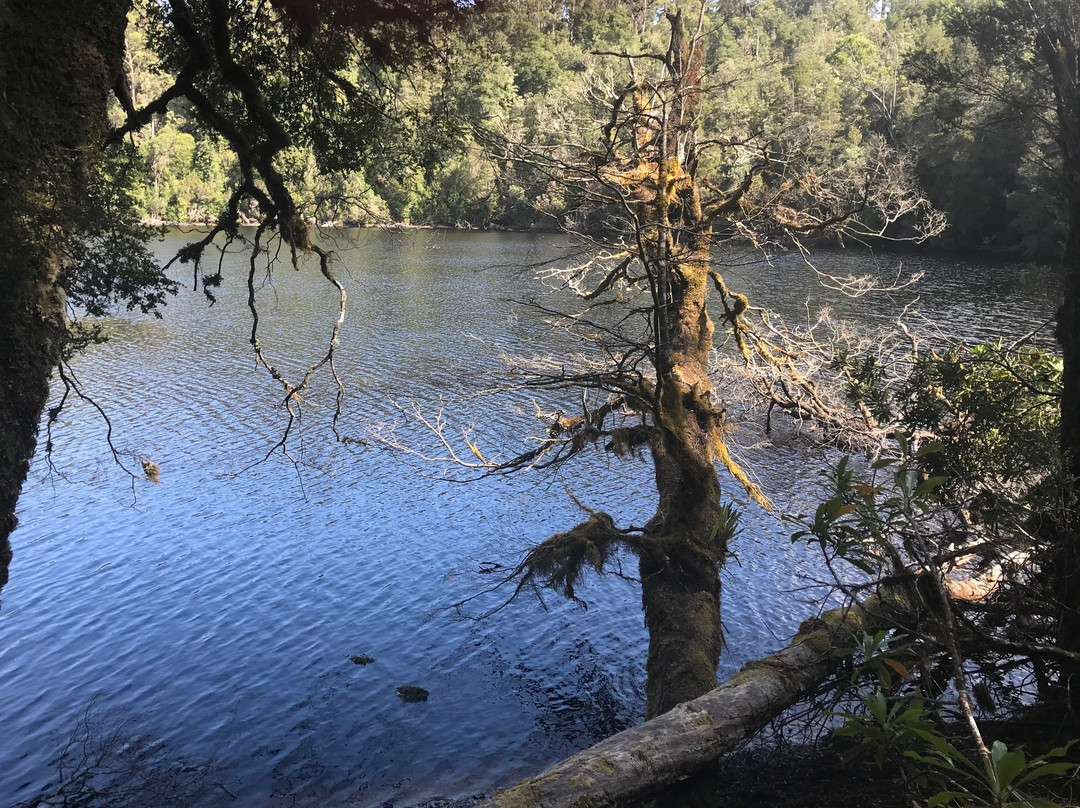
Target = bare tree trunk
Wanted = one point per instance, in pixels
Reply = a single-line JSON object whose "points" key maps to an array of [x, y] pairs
{"points": [[58, 61]]}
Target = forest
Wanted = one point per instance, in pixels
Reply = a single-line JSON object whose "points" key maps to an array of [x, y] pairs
{"points": [[659, 137], [522, 71]]}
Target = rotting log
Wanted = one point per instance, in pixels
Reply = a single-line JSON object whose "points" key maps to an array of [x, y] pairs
{"points": [[636, 762]]}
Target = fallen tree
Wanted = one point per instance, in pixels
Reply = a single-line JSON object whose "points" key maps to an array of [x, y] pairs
{"points": [[636, 762]]}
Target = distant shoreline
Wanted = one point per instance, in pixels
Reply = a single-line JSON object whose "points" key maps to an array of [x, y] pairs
{"points": [[353, 225], [882, 246]]}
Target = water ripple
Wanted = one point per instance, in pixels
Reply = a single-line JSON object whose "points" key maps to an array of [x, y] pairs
{"points": [[221, 611]]}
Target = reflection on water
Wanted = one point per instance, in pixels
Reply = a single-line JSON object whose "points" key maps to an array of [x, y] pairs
{"points": [[222, 610]]}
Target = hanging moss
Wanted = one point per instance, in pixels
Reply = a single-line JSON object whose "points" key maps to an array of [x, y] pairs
{"points": [[561, 561], [152, 471]]}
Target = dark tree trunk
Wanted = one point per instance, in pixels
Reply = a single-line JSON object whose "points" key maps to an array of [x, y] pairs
{"points": [[1058, 44], [680, 578], [58, 62], [1068, 335], [1067, 564]]}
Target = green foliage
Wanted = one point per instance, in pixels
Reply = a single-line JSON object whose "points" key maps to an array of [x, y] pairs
{"points": [[863, 517], [109, 262], [995, 413], [983, 480], [885, 656], [887, 728], [406, 143], [991, 411], [999, 782], [980, 145], [727, 524], [899, 729], [864, 383], [834, 75]]}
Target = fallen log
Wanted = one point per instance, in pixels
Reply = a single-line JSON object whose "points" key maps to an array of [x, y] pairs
{"points": [[636, 762]]}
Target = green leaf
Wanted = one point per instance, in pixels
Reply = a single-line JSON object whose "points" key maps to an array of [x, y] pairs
{"points": [[865, 566], [1008, 768], [928, 485], [930, 447], [942, 747], [997, 751], [1046, 770], [1040, 802], [885, 677]]}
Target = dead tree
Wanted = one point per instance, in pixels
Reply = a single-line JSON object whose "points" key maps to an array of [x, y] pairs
{"points": [[643, 316]]}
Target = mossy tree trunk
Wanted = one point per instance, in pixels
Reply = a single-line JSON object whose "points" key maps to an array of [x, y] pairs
{"points": [[640, 310], [660, 392], [680, 570], [58, 62]]}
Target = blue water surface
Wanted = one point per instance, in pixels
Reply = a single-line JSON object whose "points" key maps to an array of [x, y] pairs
{"points": [[216, 612]]}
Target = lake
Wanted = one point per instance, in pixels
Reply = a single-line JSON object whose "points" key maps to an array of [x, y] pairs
{"points": [[214, 615]]}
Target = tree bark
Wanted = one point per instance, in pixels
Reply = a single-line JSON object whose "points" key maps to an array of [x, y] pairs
{"points": [[1058, 43], [640, 761], [680, 575], [1067, 564], [58, 62], [680, 579]]}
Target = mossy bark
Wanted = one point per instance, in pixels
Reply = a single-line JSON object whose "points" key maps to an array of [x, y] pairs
{"points": [[680, 581], [58, 62], [680, 577]]}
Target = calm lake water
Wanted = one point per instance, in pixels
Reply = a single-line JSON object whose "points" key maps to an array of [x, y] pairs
{"points": [[216, 613]]}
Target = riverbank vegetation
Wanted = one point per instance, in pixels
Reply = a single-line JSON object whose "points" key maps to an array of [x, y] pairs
{"points": [[838, 73], [653, 133]]}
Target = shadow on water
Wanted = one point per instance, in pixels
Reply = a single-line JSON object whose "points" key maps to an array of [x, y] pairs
{"points": [[109, 760]]}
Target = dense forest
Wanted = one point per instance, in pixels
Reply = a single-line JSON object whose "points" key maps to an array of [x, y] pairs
{"points": [[656, 134], [840, 72]]}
